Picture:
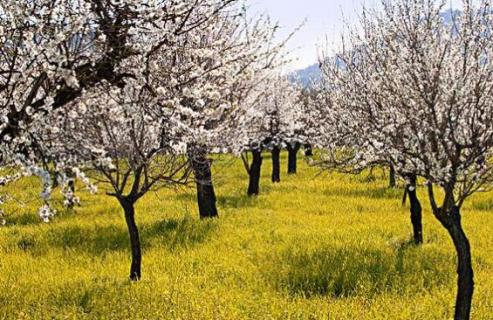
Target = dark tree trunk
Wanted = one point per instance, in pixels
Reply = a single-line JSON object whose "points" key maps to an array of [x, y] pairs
{"points": [[308, 150], [71, 185], [71, 201], [450, 218], [465, 272], [255, 168], [392, 180], [276, 166], [55, 183], [206, 197], [292, 157], [416, 216], [71, 180], [133, 232]]}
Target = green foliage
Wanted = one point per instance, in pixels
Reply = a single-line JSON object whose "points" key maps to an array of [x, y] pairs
{"points": [[316, 246]]}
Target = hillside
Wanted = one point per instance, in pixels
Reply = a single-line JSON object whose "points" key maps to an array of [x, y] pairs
{"points": [[307, 76]]}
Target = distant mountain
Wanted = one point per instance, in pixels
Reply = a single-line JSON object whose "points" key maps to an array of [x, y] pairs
{"points": [[306, 77]]}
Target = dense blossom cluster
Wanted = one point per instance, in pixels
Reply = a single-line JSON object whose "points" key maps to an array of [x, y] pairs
{"points": [[417, 90], [176, 68], [270, 120]]}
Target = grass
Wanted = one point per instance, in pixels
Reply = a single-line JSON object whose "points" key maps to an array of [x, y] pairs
{"points": [[313, 247]]}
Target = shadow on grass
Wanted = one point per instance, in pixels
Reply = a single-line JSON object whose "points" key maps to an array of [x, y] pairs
{"points": [[185, 197], [24, 219], [178, 233], [484, 205], [345, 272], [236, 201], [372, 193], [172, 234]]}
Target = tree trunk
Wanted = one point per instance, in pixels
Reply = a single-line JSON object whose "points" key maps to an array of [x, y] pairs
{"points": [[465, 272], [71, 185], [292, 154], [255, 168], [450, 218], [54, 179], [308, 150], [133, 232], [71, 200], [392, 180], [416, 216], [206, 197], [276, 166]]}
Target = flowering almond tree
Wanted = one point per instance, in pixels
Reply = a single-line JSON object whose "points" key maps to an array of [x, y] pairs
{"points": [[123, 139], [419, 91], [52, 52], [344, 142], [205, 78], [282, 110], [270, 122]]}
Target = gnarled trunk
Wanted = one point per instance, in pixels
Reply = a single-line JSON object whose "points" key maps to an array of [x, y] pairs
{"points": [[416, 211], [465, 281], [276, 166], [308, 150], [254, 174], [293, 149], [206, 197], [133, 232], [450, 218]]}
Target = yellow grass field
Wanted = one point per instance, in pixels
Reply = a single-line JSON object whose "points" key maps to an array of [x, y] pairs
{"points": [[316, 246]]}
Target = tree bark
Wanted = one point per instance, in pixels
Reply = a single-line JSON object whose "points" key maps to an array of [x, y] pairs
{"points": [[276, 166], [71, 185], [54, 179], [292, 155], [450, 218], [255, 169], [416, 211], [308, 150], [133, 232], [465, 281], [206, 196], [392, 179]]}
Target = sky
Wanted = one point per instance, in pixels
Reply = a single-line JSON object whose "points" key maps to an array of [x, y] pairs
{"points": [[323, 23]]}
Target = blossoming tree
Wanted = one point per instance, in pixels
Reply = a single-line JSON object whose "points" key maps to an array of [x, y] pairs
{"points": [[418, 90], [52, 52], [269, 121], [123, 139]]}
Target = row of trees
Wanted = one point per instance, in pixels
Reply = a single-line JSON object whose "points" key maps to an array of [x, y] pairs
{"points": [[136, 96], [413, 89], [274, 122]]}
